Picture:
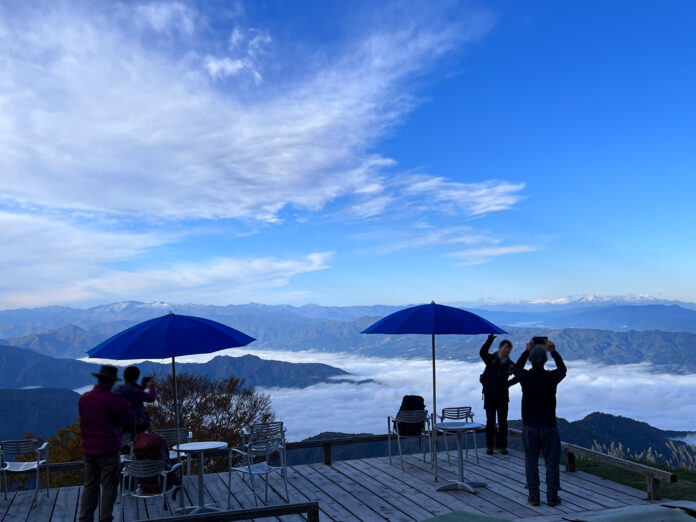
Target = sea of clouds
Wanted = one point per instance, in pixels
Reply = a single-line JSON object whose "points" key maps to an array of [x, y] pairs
{"points": [[635, 391]]}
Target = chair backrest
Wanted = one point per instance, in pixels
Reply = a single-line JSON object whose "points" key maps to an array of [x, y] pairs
{"points": [[266, 430], [19, 447], [265, 447], [457, 413], [411, 417], [144, 468], [170, 436]]}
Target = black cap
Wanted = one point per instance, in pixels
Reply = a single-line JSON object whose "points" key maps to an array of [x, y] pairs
{"points": [[107, 372]]}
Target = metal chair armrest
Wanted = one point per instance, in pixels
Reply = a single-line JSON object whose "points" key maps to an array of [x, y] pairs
{"points": [[238, 451], [173, 468], [42, 447]]}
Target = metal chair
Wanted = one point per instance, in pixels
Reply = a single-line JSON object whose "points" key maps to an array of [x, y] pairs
{"points": [[126, 443], [458, 413], [134, 470], [172, 438], [15, 448], [416, 417], [261, 441]]}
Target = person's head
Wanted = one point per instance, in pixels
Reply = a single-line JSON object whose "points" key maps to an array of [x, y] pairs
{"points": [[538, 356], [131, 374], [107, 375], [504, 349]]}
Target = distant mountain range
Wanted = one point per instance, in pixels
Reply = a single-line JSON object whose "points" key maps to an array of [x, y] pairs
{"points": [[664, 335], [40, 412], [21, 368]]}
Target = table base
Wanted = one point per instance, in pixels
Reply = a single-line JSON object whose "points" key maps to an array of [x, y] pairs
{"points": [[462, 486]]}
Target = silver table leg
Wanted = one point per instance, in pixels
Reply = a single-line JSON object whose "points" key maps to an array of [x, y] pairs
{"points": [[461, 484]]}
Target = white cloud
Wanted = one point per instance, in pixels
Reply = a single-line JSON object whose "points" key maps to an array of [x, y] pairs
{"points": [[469, 198], [48, 260], [166, 17], [627, 390], [477, 256], [94, 116]]}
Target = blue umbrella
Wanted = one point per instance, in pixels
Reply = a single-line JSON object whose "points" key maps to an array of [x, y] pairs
{"points": [[170, 336], [433, 319]]}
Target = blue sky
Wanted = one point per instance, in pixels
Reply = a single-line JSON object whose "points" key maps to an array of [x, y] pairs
{"points": [[345, 152]]}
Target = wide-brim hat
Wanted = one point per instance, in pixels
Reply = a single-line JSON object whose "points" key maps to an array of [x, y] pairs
{"points": [[107, 372]]}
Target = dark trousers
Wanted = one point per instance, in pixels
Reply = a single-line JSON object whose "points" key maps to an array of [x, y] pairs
{"points": [[496, 438], [102, 472], [547, 441]]}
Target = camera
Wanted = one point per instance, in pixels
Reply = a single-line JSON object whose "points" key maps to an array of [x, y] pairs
{"points": [[539, 340]]}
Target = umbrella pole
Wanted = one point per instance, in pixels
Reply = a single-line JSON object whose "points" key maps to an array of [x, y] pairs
{"points": [[434, 385]]}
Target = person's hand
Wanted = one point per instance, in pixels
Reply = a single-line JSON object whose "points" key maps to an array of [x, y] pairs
{"points": [[530, 345], [550, 347], [491, 337]]}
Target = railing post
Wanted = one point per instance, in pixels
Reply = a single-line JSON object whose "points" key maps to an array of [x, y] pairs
{"points": [[653, 486], [570, 461], [327, 453]]}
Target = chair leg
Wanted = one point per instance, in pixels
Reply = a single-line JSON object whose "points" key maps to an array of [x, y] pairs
{"points": [[401, 455], [475, 447], [36, 489], [229, 489], [265, 495], [253, 489], [389, 447], [466, 445], [449, 459], [285, 477]]}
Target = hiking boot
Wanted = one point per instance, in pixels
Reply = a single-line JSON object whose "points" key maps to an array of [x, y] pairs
{"points": [[552, 502], [533, 501], [490, 451]]}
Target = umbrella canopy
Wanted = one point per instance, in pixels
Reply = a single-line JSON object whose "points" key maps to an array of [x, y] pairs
{"points": [[170, 336], [433, 319]]}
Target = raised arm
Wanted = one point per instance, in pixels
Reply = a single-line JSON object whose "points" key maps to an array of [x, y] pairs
{"points": [[561, 370], [518, 369], [483, 352], [145, 396]]}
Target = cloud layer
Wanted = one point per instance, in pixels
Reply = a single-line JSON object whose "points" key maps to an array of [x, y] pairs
{"points": [[628, 390]]}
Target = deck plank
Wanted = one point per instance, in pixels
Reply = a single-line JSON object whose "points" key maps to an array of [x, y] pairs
{"points": [[404, 503], [493, 498], [403, 489], [328, 504], [67, 504], [43, 509], [575, 498], [377, 503], [510, 488], [5, 503], [21, 505], [609, 494], [350, 503]]}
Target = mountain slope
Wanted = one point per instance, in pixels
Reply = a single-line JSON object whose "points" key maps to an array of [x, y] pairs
{"points": [[39, 412], [21, 368]]}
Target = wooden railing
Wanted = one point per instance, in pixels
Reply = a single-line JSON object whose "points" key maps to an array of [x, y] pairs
{"points": [[653, 476]]}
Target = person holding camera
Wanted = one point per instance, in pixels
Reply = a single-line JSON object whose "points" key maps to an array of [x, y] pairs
{"points": [[136, 395], [539, 428], [496, 395]]}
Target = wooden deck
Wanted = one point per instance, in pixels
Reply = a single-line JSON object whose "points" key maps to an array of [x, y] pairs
{"points": [[370, 489]]}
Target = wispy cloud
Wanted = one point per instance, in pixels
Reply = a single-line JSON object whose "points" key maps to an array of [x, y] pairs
{"points": [[477, 256], [89, 102]]}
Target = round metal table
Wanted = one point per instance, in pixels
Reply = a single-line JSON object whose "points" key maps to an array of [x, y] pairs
{"points": [[459, 428], [200, 448]]}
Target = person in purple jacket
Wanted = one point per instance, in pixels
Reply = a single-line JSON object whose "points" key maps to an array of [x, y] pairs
{"points": [[103, 415], [137, 395]]}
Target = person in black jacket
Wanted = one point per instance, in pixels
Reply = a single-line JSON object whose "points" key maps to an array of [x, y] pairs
{"points": [[539, 429], [496, 395]]}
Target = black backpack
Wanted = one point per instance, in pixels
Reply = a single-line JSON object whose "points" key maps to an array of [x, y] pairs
{"points": [[411, 403]]}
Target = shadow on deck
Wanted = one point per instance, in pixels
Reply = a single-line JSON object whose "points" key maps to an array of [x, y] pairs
{"points": [[367, 489]]}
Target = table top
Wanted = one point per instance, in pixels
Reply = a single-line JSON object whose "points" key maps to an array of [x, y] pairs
{"points": [[200, 446], [457, 426]]}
